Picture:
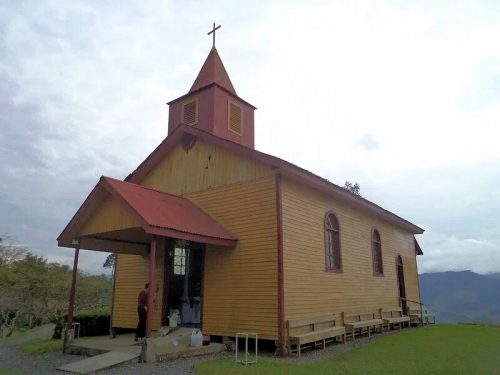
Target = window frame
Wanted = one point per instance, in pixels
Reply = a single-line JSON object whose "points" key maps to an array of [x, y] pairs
{"points": [[327, 229], [374, 243], [179, 260]]}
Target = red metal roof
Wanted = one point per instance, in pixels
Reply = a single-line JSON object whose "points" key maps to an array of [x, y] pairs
{"points": [[213, 71], [168, 215], [157, 213]]}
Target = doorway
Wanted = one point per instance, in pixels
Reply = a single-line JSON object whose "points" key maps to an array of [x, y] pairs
{"points": [[183, 284], [401, 284]]}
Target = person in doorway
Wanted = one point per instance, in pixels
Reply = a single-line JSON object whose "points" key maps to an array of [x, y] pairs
{"points": [[142, 307]]}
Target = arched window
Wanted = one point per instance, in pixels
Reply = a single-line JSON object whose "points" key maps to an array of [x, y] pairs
{"points": [[378, 266], [332, 243]]}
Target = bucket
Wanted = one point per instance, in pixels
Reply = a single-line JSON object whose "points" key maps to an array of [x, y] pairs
{"points": [[196, 338], [173, 319]]}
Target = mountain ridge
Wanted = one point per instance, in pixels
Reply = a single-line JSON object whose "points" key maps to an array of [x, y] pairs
{"points": [[462, 296]]}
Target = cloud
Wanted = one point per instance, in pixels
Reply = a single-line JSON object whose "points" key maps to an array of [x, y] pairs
{"points": [[88, 261], [368, 142], [452, 253], [401, 97]]}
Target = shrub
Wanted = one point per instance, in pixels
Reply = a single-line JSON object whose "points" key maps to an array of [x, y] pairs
{"points": [[94, 322]]}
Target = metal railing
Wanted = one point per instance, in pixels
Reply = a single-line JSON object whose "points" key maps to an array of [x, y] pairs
{"points": [[417, 302]]}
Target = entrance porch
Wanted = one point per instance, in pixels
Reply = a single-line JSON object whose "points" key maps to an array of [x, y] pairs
{"points": [[169, 233]]}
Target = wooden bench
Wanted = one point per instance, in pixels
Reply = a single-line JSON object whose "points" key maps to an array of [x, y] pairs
{"points": [[320, 329], [394, 316], [421, 316], [357, 322]]}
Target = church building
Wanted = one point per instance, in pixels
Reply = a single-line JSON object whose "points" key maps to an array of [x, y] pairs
{"points": [[231, 239]]}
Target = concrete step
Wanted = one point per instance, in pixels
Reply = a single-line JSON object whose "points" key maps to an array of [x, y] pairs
{"points": [[99, 362]]}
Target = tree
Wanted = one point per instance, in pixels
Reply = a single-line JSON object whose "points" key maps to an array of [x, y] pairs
{"points": [[9, 301], [110, 261], [33, 290], [353, 188], [9, 252]]}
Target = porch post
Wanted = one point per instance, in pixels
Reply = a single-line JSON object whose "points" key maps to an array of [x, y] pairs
{"points": [[69, 334], [71, 305], [152, 285]]}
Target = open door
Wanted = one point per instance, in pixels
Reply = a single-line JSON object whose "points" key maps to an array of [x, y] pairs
{"points": [[401, 283], [182, 283]]}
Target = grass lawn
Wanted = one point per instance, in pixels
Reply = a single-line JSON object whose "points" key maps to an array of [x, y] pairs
{"points": [[440, 349], [8, 371], [41, 346]]}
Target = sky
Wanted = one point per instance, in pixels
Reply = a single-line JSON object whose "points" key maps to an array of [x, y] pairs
{"points": [[402, 97]]}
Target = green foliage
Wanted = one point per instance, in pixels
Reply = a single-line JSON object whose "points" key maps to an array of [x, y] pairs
{"points": [[33, 291], [41, 346], [95, 322], [102, 310], [353, 188], [441, 349], [110, 261]]}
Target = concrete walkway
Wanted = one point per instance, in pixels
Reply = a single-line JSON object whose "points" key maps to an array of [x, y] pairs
{"points": [[99, 362], [107, 352]]}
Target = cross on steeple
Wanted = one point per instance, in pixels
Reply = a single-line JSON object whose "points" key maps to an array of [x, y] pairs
{"points": [[213, 32]]}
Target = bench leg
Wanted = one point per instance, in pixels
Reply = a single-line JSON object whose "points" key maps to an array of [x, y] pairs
{"points": [[298, 349]]}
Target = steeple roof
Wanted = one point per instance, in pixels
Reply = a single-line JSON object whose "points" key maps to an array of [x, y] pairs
{"points": [[213, 71]]}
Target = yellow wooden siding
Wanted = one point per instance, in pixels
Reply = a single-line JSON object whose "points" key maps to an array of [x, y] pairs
{"points": [[108, 217], [131, 276], [240, 284], [309, 290], [202, 167]]}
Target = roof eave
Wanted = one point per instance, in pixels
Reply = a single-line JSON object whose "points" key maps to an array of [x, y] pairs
{"points": [[195, 237], [354, 199], [206, 87]]}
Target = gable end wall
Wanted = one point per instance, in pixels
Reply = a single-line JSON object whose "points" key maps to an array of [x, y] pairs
{"points": [[203, 167]]}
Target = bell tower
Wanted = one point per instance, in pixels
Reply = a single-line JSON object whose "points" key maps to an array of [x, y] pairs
{"points": [[212, 105]]}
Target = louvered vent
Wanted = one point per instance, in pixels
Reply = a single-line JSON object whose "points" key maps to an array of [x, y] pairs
{"points": [[235, 118], [190, 112]]}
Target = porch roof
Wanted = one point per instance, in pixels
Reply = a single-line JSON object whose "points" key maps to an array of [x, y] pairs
{"points": [[157, 213]]}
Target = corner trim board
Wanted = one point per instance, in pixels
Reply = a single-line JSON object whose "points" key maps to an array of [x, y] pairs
{"points": [[281, 287]]}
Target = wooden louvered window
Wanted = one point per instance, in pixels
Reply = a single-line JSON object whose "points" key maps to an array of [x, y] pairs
{"points": [[332, 243], [235, 118], [190, 112], [378, 265]]}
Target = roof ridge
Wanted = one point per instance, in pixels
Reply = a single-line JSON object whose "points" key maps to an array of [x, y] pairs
{"points": [[295, 170], [143, 187], [332, 184]]}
